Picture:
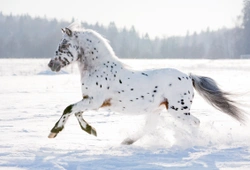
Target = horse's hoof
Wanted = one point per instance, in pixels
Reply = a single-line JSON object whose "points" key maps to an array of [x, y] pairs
{"points": [[52, 135], [127, 141], [93, 132]]}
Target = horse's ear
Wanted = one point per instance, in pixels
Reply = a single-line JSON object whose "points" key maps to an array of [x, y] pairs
{"points": [[68, 32], [63, 30]]}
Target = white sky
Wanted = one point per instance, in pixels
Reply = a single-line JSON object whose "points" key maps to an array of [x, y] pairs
{"points": [[157, 17]]}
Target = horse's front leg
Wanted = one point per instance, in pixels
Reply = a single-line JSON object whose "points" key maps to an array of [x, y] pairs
{"points": [[61, 122], [84, 125], [77, 109]]}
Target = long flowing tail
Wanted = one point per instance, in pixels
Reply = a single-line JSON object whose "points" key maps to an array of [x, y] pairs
{"points": [[219, 99]]}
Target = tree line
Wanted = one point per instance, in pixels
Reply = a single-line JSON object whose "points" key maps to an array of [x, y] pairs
{"points": [[26, 37]]}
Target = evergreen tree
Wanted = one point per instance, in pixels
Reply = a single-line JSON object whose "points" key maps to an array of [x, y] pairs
{"points": [[246, 27]]}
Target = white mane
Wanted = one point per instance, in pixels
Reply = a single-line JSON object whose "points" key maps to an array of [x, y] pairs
{"points": [[75, 26], [105, 44], [98, 41]]}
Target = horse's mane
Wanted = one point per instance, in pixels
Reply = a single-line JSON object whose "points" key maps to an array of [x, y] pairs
{"points": [[76, 26], [105, 42]]}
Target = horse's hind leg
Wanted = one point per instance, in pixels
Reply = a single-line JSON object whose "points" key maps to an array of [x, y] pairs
{"points": [[184, 116], [151, 122]]}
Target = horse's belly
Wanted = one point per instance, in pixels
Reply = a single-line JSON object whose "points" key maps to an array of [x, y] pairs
{"points": [[134, 108]]}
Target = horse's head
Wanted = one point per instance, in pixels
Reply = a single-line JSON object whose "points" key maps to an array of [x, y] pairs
{"points": [[67, 51]]}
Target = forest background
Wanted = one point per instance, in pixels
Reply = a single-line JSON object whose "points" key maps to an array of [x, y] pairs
{"points": [[23, 36]]}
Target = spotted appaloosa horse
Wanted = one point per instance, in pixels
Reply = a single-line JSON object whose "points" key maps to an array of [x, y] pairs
{"points": [[108, 83]]}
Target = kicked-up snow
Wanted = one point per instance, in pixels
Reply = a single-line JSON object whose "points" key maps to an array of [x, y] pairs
{"points": [[32, 99]]}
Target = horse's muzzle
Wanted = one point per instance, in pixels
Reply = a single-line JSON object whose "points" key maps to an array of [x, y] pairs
{"points": [[54, 65]]}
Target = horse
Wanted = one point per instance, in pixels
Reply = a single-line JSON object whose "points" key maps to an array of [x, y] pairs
{"points": [[108, 83]]}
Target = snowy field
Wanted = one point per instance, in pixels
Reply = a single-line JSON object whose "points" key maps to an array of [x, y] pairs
{"points": [[32, 100]]}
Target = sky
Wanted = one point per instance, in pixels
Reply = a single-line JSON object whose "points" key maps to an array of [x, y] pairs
{"points": [[155, 17]]}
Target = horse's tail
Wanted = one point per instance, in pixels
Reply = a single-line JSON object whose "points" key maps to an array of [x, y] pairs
{"points": [[219, 99]]}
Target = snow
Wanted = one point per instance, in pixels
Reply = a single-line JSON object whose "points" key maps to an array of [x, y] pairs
{"points": [[32, 100]]}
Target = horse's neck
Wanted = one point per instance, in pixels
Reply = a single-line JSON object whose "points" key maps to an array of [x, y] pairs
{"points": [[98, 55], [104, 63]]}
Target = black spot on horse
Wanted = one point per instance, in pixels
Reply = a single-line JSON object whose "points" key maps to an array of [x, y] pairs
{"points": [[179, 78], [155, 91], [144, 74], [68, 109], [132, 89], [185, 107], [172, 107], [120, 81], [85, 97], [170, 85]]}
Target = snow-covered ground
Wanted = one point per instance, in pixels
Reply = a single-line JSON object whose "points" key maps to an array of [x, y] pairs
{"points": [[32, 99]]}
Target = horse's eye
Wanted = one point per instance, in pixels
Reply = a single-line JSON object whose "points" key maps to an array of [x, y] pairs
{"points": [[63, 47]]}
